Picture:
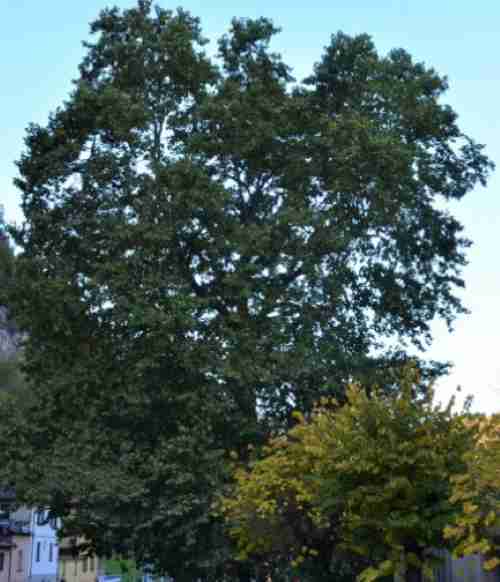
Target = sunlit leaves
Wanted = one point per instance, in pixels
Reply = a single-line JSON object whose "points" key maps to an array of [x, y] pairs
{"points": [[477, 528], [372, 478]]}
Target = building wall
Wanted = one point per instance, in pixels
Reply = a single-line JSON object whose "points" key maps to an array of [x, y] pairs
{"points": [[7, 498], [5, 557], [21, 554], [468, 569], [79, 569], [39, 548], [45, 549]]}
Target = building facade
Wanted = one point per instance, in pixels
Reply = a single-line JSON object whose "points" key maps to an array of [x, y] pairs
{"points": [[6, 545], [44, 548], [79, 568], [36, 550], [75, 567], [467, 569], [6, 542], [20, 558]]}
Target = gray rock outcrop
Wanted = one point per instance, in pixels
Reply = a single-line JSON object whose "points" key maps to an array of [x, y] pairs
{"points": [[9, 335]]}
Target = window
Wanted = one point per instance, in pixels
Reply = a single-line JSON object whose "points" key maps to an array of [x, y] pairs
{"points": [[84, 564], [2, 560], [38, 550], [51, 552], [92, 564], [53, 522], [40, 518], [63, 568], [20, 561], [76, 566]]}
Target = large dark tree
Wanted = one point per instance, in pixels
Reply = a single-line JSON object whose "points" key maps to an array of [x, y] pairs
{"points": [[209, 244]]}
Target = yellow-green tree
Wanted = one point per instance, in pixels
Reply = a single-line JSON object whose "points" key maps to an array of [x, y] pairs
{"points": [[371, 478], [477, 527], [273, 512]]}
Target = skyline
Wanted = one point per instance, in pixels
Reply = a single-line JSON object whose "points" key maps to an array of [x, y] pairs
{"points": [[42, 45]]}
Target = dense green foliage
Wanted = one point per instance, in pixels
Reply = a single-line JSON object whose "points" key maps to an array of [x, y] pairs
{"points": [[209, 245]]}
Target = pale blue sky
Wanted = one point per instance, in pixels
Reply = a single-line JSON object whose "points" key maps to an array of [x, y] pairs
{"points": [[40, 48]]}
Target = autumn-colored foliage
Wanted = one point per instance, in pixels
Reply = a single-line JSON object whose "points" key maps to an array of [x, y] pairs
{"points": [[379, 477], [477, 527]]}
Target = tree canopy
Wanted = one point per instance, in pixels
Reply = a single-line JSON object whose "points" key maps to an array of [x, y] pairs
{"points": [[210, 244]]}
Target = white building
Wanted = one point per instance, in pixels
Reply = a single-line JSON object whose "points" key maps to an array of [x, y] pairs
{"points": [[43, 549]]}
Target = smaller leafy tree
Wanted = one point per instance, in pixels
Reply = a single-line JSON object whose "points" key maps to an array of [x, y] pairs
{"points": [[368, 482], [274, 513], [477, 527]]}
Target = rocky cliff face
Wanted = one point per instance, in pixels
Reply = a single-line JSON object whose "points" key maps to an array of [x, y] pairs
{"points": [[9, 336]]}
